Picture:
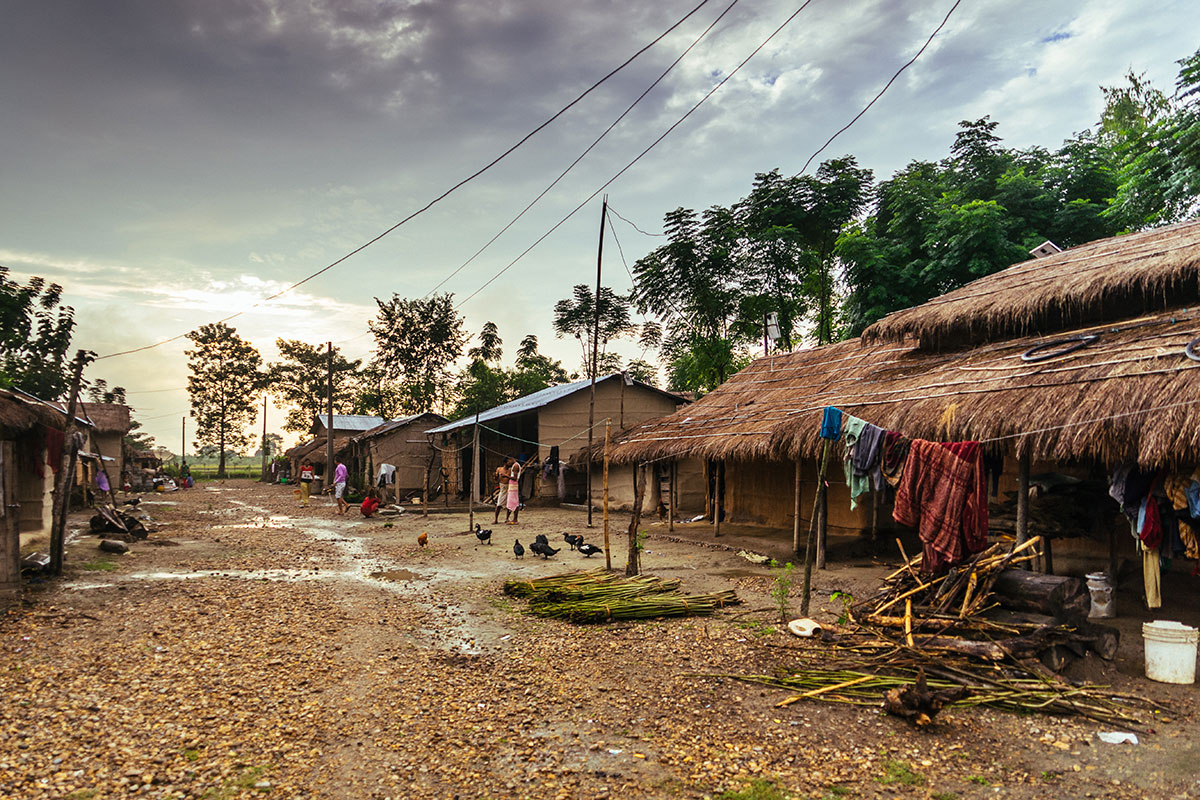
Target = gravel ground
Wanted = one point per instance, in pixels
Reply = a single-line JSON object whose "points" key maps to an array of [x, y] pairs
{"points": [[252, 648]]}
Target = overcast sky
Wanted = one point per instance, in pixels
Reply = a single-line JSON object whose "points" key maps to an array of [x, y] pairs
{"points": [[173, 163]]}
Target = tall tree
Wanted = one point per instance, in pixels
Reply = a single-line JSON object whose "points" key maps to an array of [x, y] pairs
{"points": [[224, 378], [300, 379], [535, 371], [416, 343], [576, 316], [35, 334]]}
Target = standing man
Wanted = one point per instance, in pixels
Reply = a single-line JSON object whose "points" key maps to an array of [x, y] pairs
{"points": [[307, 475], [340, 475], [502, 472]]}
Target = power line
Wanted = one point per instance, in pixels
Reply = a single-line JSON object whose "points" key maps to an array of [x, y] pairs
{"points": [[632, 225], [437, 199], [589, 149], [637, 158]]}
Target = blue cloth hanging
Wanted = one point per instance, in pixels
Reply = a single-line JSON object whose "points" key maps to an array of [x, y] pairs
{"points": [[831, 424]]}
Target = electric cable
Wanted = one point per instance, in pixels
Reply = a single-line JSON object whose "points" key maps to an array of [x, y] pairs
{"points": [[437, 199], [637, 158]]}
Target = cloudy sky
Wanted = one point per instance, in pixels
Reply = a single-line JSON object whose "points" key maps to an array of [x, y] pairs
{"points": [[174, 163]]}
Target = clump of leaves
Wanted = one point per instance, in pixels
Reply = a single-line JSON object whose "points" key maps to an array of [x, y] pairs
{"points": [[847, 599], [900, 772], [782, 588]]}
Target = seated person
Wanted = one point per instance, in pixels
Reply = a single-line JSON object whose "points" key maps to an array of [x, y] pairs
{"points": [[370, 504]]}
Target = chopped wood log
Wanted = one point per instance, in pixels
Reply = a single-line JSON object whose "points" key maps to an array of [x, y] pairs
{"points": [[1057, 596], [1103, 640], [917, 704]]}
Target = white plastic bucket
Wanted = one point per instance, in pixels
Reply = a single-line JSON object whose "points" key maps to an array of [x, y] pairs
{"points": [[1170, 651], [1101, 591]]}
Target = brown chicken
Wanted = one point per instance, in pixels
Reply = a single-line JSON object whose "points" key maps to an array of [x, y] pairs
{"points": [[423, 539]]}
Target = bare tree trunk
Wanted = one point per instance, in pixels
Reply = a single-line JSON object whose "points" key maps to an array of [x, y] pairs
{"points": [[633, 564]]}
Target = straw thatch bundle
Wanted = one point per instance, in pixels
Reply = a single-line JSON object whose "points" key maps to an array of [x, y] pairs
{"points": [[1108, 279], [1089, 403], [107, 417]]}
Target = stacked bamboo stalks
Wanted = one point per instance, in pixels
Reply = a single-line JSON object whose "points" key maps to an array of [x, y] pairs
{"points": [[601, 596]]}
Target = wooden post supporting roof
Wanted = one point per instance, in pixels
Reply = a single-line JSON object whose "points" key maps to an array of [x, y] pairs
{"points": [[1023, 497]]}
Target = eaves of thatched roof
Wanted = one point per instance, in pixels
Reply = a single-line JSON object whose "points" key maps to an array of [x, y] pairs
{"points": [[1114, 278], [1132, 394], [107, 417]]}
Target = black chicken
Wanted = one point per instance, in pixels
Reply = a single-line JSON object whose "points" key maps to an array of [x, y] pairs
{"points": [[518, 550], [541, 537], [543, 550], [132, 502], [589, 550], [482, 535], [573, 539]]}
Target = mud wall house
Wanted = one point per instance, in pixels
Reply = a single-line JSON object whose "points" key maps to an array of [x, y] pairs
{"points": [[110, 425], [316, 452], [402, 443], [345, 426], [1064, 367], [550, 426], [32, 438]]}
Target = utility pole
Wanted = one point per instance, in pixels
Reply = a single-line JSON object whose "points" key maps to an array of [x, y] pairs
{"points": [[182, 439], [66, 472], [264, 441], [471, 495], [329, 424], [595, 357]]}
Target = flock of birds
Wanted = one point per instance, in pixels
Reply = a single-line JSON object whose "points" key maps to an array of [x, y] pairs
{"points": [[540, 545]]}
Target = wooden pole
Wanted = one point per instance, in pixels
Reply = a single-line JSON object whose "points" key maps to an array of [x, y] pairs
{"points": [[425, 496], [66, 473], [471, 495], [822, 525], [329, 421], [671, 495], [182, 440], [808, 547], [718, 496], [264, 441], [633, 564], [607, 442], [1023, 497], [796, 514], [595, 357]]}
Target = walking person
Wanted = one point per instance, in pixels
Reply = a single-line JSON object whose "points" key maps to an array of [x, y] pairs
{"points": [[513, 500], [502, 473], [307, 476], [340, 476]]}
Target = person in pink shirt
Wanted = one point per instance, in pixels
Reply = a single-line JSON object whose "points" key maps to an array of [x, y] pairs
{"points": [[340, 476]]}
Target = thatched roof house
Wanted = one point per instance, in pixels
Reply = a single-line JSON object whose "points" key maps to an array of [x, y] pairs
{"points": [[1077, 358], [401, 443]]}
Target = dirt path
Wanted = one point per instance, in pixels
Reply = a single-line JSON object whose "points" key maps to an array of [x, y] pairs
{"points": [[286, 652]]}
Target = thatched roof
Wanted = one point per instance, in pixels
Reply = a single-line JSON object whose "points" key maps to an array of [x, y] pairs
{"points": [[107, 417], [1108, 279], [315, 451], [20, 411], [1089, 404]]}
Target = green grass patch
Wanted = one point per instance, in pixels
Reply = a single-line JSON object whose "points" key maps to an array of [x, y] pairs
{"points": [[99, 565], [899, 772], [758, 789], [943, 796], [982, 781]]}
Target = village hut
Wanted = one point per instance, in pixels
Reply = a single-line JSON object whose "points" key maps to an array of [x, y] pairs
{"points": [[32, 438], [1065, 368], [345, 426], [548, 430], [397, 456], [110, 423]]}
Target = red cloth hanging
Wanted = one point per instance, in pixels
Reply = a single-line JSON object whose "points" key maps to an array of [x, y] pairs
{"points": [[55, 439], [943, 494]]}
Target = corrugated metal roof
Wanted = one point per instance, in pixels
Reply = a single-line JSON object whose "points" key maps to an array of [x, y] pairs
{"points": [[532, 402], [392, 425], [348, 422]]}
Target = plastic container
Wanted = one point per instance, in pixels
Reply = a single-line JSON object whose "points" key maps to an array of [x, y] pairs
{"points": [[1100, 587], [1170, 651]]}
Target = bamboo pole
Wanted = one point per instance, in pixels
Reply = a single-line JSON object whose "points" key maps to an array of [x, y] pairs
{"points": [[474, 476], [607, 442], [671, 495], [66, 473], [633, 563], [822, 525], [808, 547], [1023, 497], [718, 496]]}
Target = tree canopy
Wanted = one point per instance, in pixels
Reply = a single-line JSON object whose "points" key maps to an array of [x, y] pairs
{"points": [[35, 334], [300, 380], [223, 381], [416, 344]]}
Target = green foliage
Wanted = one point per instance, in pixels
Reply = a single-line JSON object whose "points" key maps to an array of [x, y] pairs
{"points": [[224, 379], [758, 789], [300, 379], [416, 343], [484, 385], [35, 334], [847, 600], [576, 316], [781, 588]]}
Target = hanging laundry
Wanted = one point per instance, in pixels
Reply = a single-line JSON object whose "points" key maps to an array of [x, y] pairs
{"points": [[942, 493], [895, 453], [102, 481], [55, 439], [862, 442], [1149, 524], [831, 424], [1178, 488], [387, 475]]}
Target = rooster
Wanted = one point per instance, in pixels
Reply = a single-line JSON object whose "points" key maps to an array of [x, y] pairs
{"points": [[483, 535], [541, 537], [573, 539], [543, 550], [423, 539]]}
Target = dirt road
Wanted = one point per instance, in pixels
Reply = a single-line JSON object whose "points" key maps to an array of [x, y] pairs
{"points": [[253, 648]]}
